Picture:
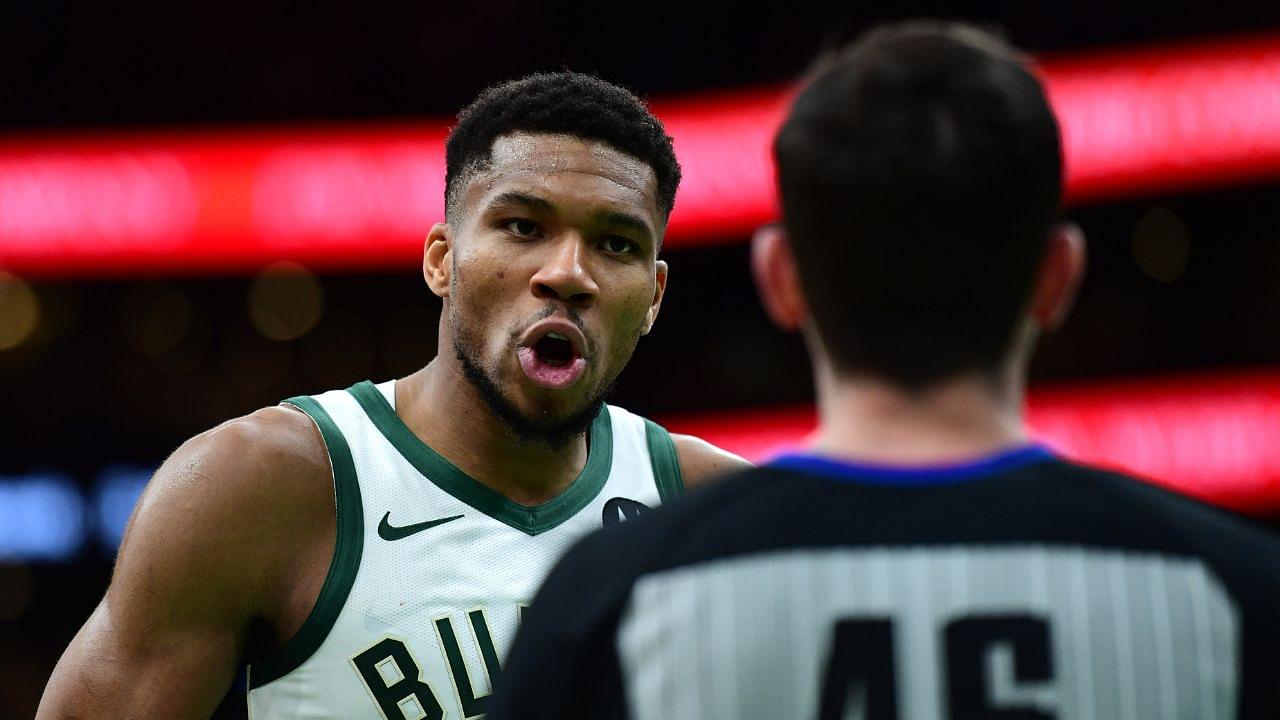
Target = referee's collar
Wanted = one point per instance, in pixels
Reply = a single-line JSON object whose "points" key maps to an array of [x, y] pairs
{"points": [[913, 475]]}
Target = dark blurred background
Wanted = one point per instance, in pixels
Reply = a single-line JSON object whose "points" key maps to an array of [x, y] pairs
{"points": [[120, 370]]}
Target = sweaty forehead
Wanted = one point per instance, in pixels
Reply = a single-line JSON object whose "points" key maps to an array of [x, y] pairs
{"points": [[542, 160]]}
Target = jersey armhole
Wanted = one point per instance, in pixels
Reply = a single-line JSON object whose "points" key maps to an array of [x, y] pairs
{"points": [[666, 465], [348, 548]]}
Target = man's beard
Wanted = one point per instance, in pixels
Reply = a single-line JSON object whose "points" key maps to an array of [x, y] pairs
{"points": [[555, 434]]}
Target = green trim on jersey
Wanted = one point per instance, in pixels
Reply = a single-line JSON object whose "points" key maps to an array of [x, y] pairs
{"points": [[447, 476], [666, 466], [346, 555]]}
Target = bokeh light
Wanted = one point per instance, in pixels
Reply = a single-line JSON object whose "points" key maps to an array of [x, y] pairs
{"points": [[41, 517], [156, 318], [285, 301], [114, 496], [1162, 245], [19, 311]]}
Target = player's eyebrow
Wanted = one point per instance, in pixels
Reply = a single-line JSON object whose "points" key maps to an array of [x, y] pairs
{"points": [[617, 218], [627, 220], [533, 202]]}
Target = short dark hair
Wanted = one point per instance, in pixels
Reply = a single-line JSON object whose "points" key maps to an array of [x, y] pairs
{"points": [[561, 103], [920, 173]]}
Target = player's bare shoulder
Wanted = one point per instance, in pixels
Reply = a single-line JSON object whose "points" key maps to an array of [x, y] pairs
{"points": [[236, 526], [274, 452], [701, 462], [249, 466], [255, 490], [244, 511]]}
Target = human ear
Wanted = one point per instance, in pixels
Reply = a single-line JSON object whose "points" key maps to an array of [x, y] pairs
{"points": [[1059, 277], [777, 281], [437, 259], [659, 290]]}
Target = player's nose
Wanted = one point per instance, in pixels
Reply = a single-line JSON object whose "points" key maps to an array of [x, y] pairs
{"points": [[565, 275]]}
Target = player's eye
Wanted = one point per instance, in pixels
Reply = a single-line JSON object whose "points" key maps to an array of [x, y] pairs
{"points": [[618, 245], [522, 227]]}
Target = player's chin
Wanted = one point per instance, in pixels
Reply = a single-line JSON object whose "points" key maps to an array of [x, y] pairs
{"points": [[551, 406], [556, 424]]}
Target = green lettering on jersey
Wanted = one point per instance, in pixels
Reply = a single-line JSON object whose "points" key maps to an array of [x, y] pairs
{"points": [[480, 626], [394, 680], [472, 704]]}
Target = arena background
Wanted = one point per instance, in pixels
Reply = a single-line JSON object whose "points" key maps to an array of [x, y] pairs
{"points": [[205, 209]]}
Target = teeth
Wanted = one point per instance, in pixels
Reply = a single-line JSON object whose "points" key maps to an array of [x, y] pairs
{"points": [[556, 336]]}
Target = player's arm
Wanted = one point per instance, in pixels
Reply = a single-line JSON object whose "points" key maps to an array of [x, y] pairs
{"points": [[198, 564], [702, 462]]}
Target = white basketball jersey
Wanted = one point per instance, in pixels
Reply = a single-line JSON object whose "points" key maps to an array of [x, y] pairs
{"points": [[432, 569]]}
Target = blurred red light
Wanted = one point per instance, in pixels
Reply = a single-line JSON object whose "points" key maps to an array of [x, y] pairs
{"points": [[1213, 437], [364, 197]]}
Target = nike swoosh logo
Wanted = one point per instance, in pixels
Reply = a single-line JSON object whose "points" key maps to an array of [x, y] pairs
{"points": [[387, 531]]}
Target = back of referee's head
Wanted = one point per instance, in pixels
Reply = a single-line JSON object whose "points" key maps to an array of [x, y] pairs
{"points": [[920, 176]]}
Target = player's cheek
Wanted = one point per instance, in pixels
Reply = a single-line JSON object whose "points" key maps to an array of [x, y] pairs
{"points": [[638, 306], [630, 317], [487, 324]]}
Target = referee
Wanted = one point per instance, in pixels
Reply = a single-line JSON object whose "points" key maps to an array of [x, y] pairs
{"points": [[923, 558]]}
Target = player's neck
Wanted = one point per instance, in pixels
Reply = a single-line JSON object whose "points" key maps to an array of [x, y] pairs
{"points": [[870, 420], [446, 412]]}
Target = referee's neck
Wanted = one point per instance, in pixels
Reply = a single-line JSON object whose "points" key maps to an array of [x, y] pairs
{"points": [[872, 420]]}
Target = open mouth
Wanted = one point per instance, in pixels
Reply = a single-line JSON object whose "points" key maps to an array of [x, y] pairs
{"points": [[554, 349], [551, 354]]}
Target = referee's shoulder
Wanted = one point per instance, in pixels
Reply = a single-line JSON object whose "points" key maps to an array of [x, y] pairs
{"points": [[733, 492], [1163, 501], [648, 542], [1230, 539]]}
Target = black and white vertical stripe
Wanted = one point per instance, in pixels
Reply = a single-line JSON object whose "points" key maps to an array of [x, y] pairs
{"points": [[1133, 636]]}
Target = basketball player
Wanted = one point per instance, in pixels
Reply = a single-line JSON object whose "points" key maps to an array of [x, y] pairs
{"points": [[924, 559], [370, 550]]}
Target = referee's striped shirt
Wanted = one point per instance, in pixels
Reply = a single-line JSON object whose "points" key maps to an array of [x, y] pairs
{"points": [[1016, 587]]}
